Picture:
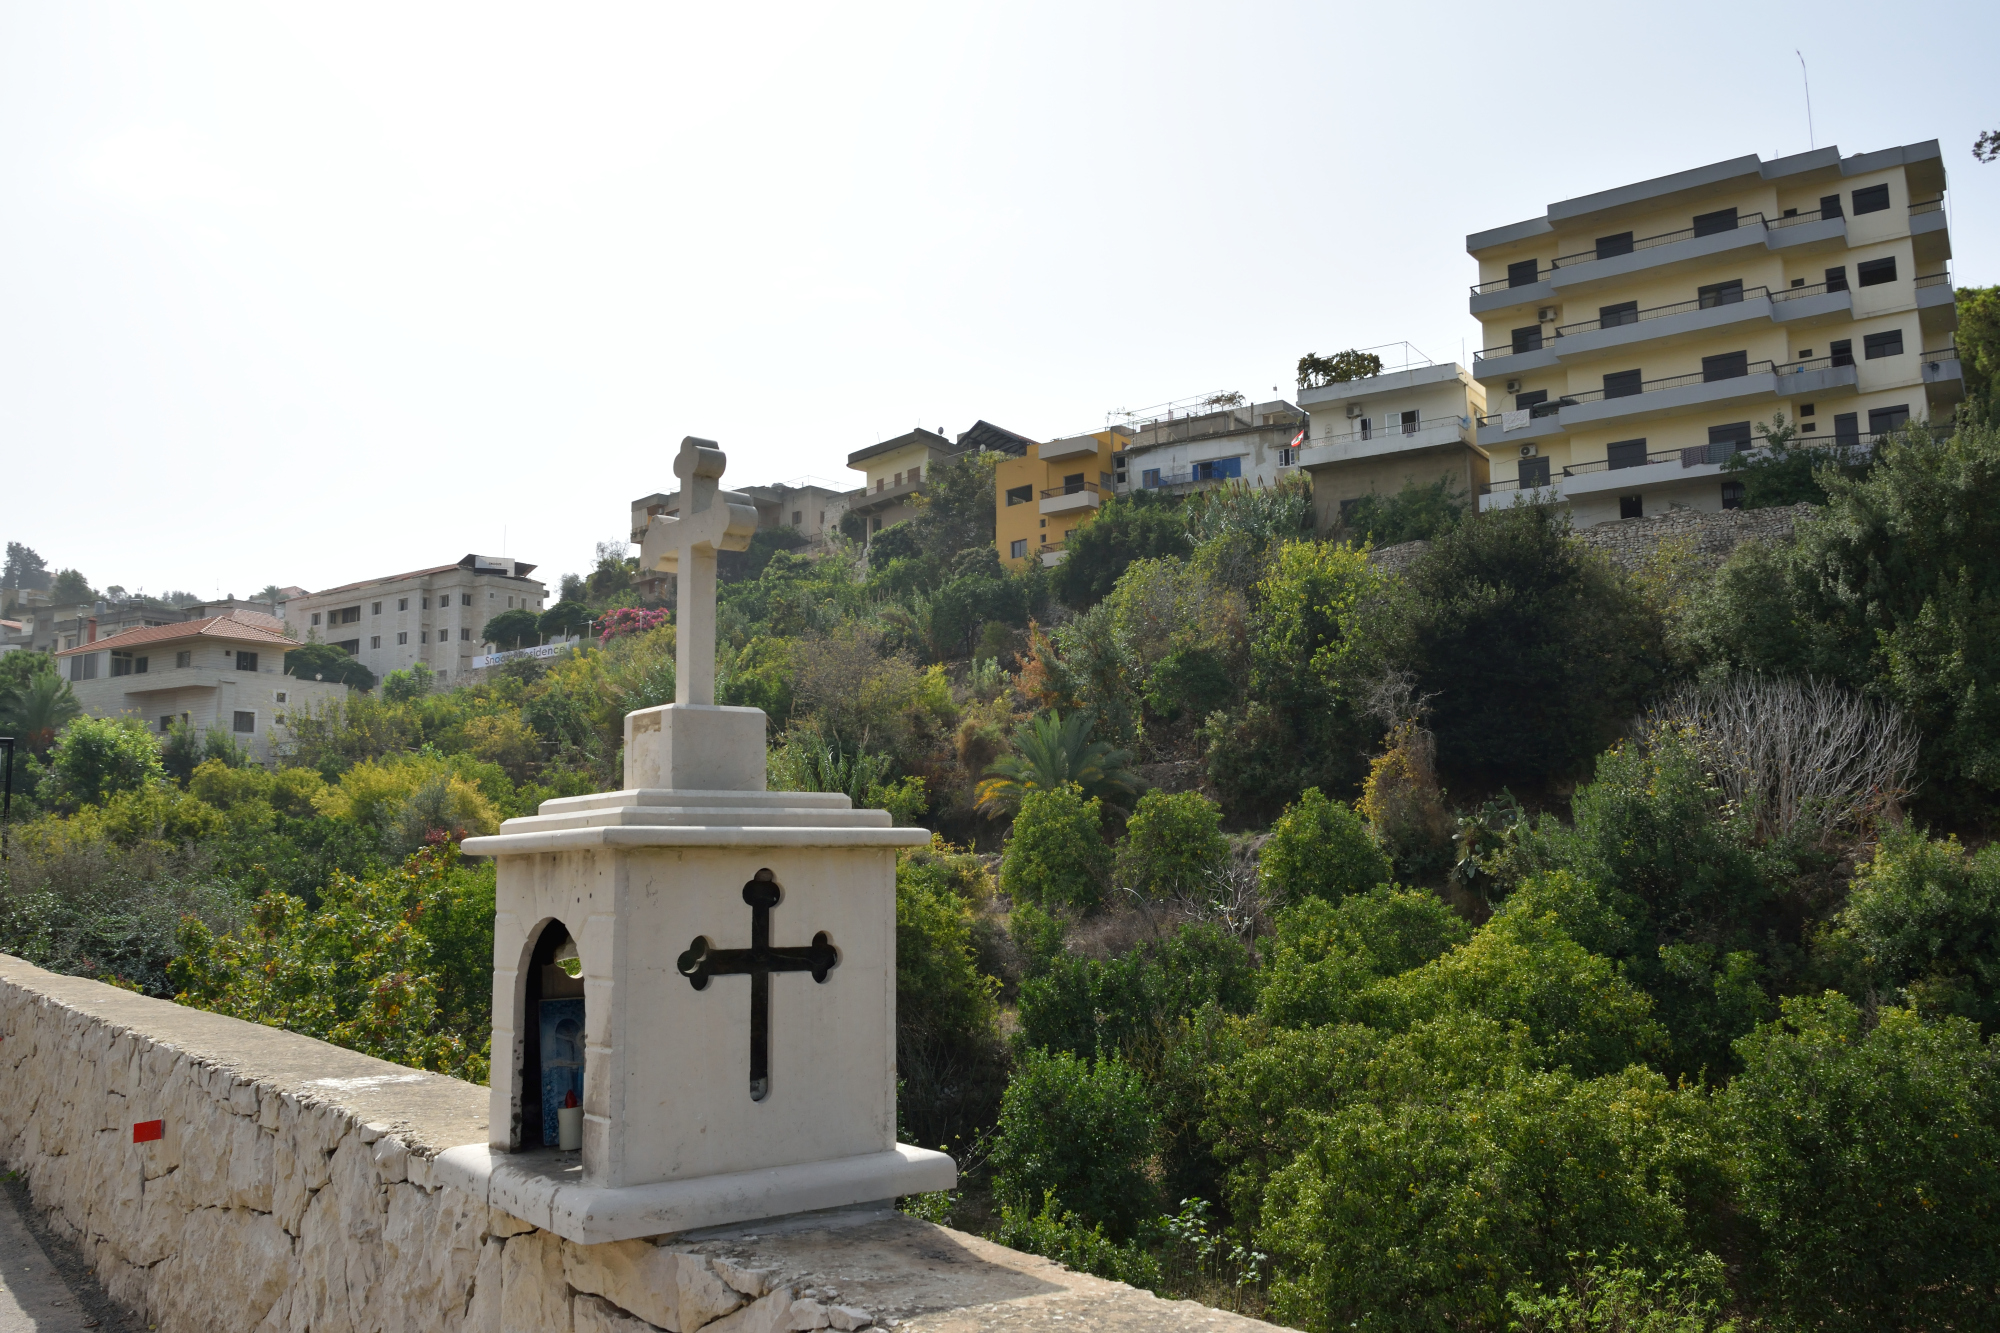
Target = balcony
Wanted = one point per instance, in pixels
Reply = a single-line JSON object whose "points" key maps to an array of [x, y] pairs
{"points": [[1678, 320], [868, 502], [1502, 494], [1075, 497], [1051, 553], [1381, 441], [1944, 378], [1671, 393], [1932, 242], [1614, 261]]}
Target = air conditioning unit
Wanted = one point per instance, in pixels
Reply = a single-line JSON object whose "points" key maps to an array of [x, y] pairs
{"points": [[1513, 386], [1354, 409], [1547, 314], [1527, 451]]}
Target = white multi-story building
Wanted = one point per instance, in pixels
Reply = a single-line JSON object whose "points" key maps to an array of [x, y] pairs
{"points": [[216, 672], [1192, 444], [433, 616], [1379, 433]]}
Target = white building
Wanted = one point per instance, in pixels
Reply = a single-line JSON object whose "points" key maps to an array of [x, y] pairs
{"points": [[433, 616], [217, 672], [1201, 441], [1377, 434]]}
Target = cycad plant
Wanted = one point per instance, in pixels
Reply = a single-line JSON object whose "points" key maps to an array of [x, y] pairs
{"points": [[1050, 751], [38, 710]]}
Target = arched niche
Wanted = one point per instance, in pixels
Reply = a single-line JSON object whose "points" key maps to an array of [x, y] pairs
{"points": [[551, 1024]]}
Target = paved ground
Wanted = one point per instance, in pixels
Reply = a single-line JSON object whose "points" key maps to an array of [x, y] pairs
{"points": [[45, 1285]]}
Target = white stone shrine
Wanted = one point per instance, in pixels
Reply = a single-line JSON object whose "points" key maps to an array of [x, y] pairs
{"points": [[707, 968]]}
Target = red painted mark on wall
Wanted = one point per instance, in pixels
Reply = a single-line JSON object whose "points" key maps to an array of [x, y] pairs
{"points": [[148, 1130]]}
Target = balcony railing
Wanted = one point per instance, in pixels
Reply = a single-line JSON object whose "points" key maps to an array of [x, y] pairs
{"points": [[1489, 487], [1073, 488], [1047, 547], [1389, 429], [1536, 342], [1642, 243], [1927, 206], [1750, 368], [1934, 280]]}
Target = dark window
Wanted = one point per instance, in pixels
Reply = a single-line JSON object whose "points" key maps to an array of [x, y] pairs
{"points": [[1882, 344], [1873, 199], [1728, 366], [183, 658], [1020, 495], [1622, 384], [1732, 495], [166, 724], [1533, 398], [798, 518], [245, 722], [1017, 549], [121, 664], [465, 633], [1523, 273], [1841, 351], [1836, 279], [1829, 206], [1798, 282], [1347, 509], [374, 641], [1534, 472], [347, 615], [246, 661], [1626, 453], [1805, 409], [374, 608], [1149, 478], [402, 603], [1723, 441], [1846, 427], [83, 667], [139, 666], [465, 599], [1611, 316], [1410, 422], [1884, 419], [1708, 224], [1631, 506], [1528, 339], [402, 637], [1875, 272], [352, 647], [1721, 293], [1072, 483], [1621, 244]]}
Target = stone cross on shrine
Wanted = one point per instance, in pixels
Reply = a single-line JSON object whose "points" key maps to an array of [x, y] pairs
{"points": [[697, 1108], [710, 520]]}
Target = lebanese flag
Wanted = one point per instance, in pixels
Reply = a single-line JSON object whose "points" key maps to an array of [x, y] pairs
{"points": [[1299, 440]]}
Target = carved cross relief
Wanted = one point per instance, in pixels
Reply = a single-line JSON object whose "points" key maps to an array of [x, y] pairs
{"points": [[710, 520], [703, 961]]}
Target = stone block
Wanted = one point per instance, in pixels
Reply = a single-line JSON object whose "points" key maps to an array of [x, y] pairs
{"points": [[594, 1314], [695, 747], [534, 1297], [635, 1275], [752, 1282], [770, 1313], [848, 1318], [807, 1314], [704, 1297]]}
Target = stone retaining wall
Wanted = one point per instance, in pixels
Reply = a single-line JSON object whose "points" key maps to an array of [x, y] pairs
{"points": [[292, 1188], [1630, 542]]}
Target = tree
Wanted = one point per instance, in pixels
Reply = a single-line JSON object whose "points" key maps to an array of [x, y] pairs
{"points": [[1316, 372], [1082, 1130], [1986, 148], [411, 683], [35, 702], [270, 592], [1924, 916], [1140, 525], [564, 619], [1787, 468], [95, 758], [323, 661], [955, 510], [518, 628], [1173, 847], [1319, 849], [24, 570], [1869, 1162], [1978, 342], [1050, 753], [1056, 856], [1532, 651], [1418, 512], [947, 1056], [1895, 590], [71, 589]]}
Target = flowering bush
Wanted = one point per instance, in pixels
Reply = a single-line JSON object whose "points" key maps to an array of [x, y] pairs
{"points": [[629, 620]]}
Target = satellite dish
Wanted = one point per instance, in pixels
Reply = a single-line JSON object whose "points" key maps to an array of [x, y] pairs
{"points": [[319, 675]]}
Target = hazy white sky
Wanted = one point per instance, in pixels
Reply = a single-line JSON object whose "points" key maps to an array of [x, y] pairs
{"points": [[305, 294]]}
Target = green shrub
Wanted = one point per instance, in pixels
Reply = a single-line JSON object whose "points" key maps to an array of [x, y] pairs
{"points": [[1422, 1212], [1869, 1161], [95, 758], [1325, 955], [1058, 1234], [1319, 849], [948, 1053], [1173, 847], [1082, 1131], [1056, 856], [1622, 1296], [1925, 916], [1133, 1006]]}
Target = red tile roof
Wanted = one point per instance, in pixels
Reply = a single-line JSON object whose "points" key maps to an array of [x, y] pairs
{"points": [[214, 627]]}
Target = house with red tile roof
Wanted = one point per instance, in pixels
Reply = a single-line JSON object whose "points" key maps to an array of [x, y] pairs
{"points": [[220, 671]]}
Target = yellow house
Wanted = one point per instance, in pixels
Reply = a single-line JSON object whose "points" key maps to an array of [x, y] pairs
{"points": [[1041, 497], [1636, 337]]}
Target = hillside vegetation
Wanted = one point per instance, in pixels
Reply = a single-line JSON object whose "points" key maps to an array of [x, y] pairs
{"points": [[1512, 942]]}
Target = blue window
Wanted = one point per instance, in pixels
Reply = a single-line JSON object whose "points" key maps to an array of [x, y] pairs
{"points": [[1221, 469], [1150, 478]]}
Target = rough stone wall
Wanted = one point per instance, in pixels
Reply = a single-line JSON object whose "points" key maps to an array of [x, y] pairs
{"points": [[1630, 542], [275, 1200]]}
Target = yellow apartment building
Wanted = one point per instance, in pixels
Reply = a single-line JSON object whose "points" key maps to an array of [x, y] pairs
{"points": [[1041, 497], [1370, 436], [1635, 337]]}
